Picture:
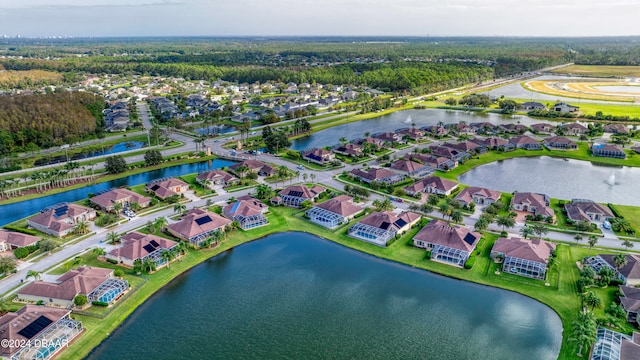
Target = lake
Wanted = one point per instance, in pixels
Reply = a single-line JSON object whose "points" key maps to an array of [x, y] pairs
{"points": [[404, 119], [12, 212], [559, 178], [297, 296]]}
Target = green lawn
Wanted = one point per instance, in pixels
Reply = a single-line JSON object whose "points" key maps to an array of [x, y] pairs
{"points": [[631, 214], [600, 70]]}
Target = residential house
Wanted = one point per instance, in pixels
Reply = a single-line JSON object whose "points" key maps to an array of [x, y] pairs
{"points": [[411, 133], [25, 330], [97, 284], [389, 138], [629, 274], [537, 204], [495, 143], [212, 178], [379, 227], [477, 195], [164, 188], [608, 150], [248, 212], [467, 147], [334, 212], [483, 127], [448, 244], [107, 200], [353, 150], [630, 301], [532, 105], [618, 129], [564, 107], [449, 153], [513, 128], [542, 128], [376, 143], [461, 128], [411, 168], [295, 195], [198, 225], [587, 210], [59, 220], [378, 175], [432, 185], [524, 257], [319, 156], [559, 142], [436, 130], [138, 246], [525, 142], [436, 162], [255, 166], [574, 129], [10, 240], [612, 345]]}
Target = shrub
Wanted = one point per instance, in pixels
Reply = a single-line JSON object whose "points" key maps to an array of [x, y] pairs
{"points": [[21, 253], [21, 230], [118, 273], [80, 300], [469, 264], [99, 303], [112, 261]]}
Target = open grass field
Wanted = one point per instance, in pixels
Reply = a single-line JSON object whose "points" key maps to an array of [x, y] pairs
{"points": [[630, 110], [631, 214], [573, 89], [13, 78], [599, 71]]}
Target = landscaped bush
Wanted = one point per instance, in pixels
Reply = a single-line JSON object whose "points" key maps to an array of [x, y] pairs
{"points": [[112, 261], [118, 273], [21, 253], [20, 229], [469, 264], [99, 303]]}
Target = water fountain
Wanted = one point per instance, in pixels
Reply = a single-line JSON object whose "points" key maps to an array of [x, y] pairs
{"points": [[612, 179], [408, 119]]}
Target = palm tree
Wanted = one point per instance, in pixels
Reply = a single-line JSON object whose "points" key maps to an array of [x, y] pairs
{"points": [[539, 230], [456, 216], [137, 266], [304, 177], [620, 260], [150, 228], [160, 223], [34, 274], [445, 209], [578, 238], [135, 207], [113, 237], [382, 205], [481, 224], [179, 208], [81, 227], [181, 248], [313, 178], [591, 300], [149, 265], [167, 256], [505, 221], [593, 240], [117, 207], [526, 231], [627, 244]]}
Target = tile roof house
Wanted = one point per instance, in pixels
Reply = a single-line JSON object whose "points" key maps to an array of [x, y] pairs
{"points": [[379, 227], [448, 244], [608, 150], [378, 175], [60, 220], [630, 301], [435, 130], [24, 330], [436, 162], [574, 129], [449, 153], [295, 195], [210, 179], [372, 141], [348, 150], [525, 142], [559, 142], [138, 246], [629, 274], [255, 166], [119, 196], [97, 284], [411, 133], [495, 143], [616, 129], [612, 345], [483, 127], [542, 128], [198, 225], [467, 146], [587, 210], [248, 212], [524, 257], [538, 204], [10, 240], [411, 168], [319, 156], [389, 137], [479, 196], [513, 128], [432, 185], [333, 212], [165, 188]]}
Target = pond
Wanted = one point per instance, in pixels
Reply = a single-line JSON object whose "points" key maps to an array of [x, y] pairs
{"points": [[297, 296], [559, 178], [12, 212], [403, 119], [117, 148]]}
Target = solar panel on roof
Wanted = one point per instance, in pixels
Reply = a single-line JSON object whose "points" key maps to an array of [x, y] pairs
{"points": [[400, 223], [155, 187], [61, 211], [203, 220], [154, 243], [385, 225], [35, 327], [295, 193], [469, 239], [149, 248]]}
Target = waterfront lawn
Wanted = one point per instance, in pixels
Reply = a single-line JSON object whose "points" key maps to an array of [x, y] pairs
{"points": [[631, 214]]}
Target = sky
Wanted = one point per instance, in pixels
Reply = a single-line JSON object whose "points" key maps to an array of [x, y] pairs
{"points": [[319, 17]]}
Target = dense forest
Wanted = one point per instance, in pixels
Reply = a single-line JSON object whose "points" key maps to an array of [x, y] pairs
{"points": [[29, 122]]}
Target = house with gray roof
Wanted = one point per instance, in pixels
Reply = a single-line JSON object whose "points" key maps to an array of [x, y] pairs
{"points": [[587, 210]]}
